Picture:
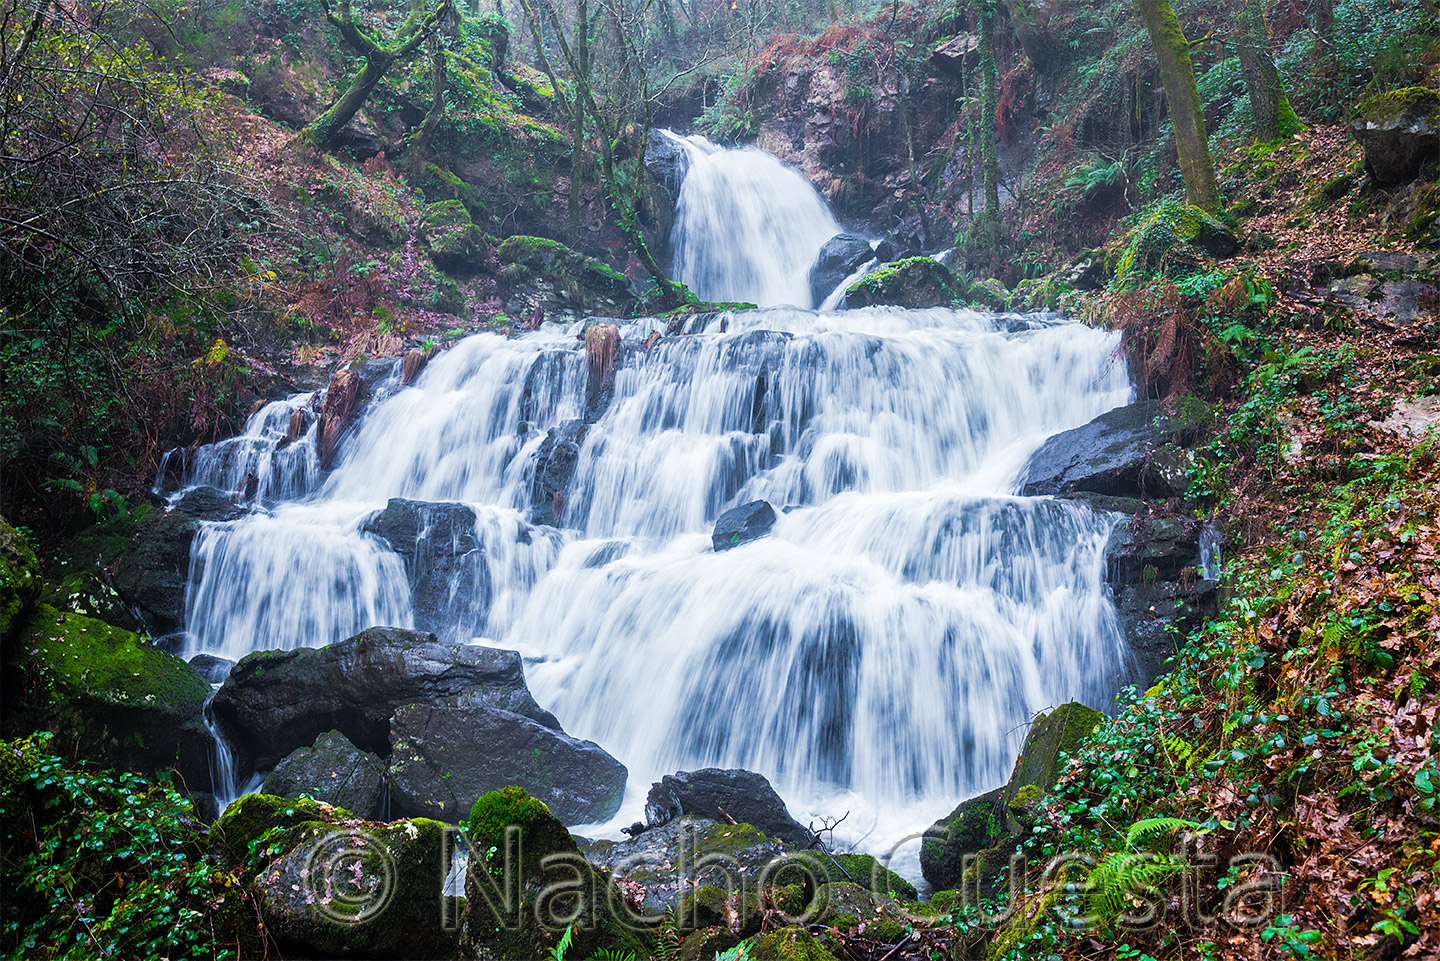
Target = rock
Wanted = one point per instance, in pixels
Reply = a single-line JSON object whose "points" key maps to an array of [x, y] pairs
{"points": [[210, 503], [444, 756], [444, 559], [841, 256], [951, 845], [811, 867], [337, 889], [914, 283], [546, 273], [1051, 736], [705, 944], [342, 400], [1152, 563], [274, 702], [91, 594], [1400, 133], [331, 770], [951, 55], [451, 239], [19, 579], [212, 668], [109, 696], [742, 524], [1110, 455], [1087, 270], [1411, 420], [990, 294], [1173, 226], [667, 160], [788, 944], [526, 867], [847, 905], [554, 466], [152, 573], [602, 352], [253, 816], [411, 365], [718, 794], [668, 860]]}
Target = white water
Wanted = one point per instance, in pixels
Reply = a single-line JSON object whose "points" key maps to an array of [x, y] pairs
{"points": [[747, 227], [879, 653]]}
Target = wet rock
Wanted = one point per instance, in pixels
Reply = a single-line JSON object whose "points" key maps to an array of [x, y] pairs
{"points": [[564, 283], [210, 503], [914, 283], [1049, 739], [331, 770], [444, 563], [602, 352], [1113, 454], [1087, 270], [152, 573], [814, 866], [706, 943], [951, 55], [671, 859], [841, 256], [667, 160], [1153, 566], [848, 905], [92, 594], [109, 695], [445, 756], [950, 844], [342, 401], [720, 794], [554, 466], [1400, 134], [212, 668], [742, 524], [274, 702], [412, 364], [990, 294], [788, 944], [19, 579]]}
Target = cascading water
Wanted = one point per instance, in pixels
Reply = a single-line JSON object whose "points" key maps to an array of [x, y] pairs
{"points": [[879, 652], [747, 227]]}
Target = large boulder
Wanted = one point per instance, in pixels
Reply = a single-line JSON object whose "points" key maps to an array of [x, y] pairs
{"points": [[667, 160], [742, 524], [1050, 738], [331, 770], [152, 573], [1400, 133], [840, 257], [554, 466], [444, 563], [524, 871], [274, 702], [815, 866], [1113, 454], [19, 579], [1153, 566], [109, 695], [446, 755], [720, 794], [331, 887], [914, 283], [540, 273]]}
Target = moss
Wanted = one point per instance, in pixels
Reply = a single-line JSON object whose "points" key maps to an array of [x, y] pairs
{"points": [[1172, 229], [19, 579], [1051, 737], [254, 816], [701, 908], [860, 869], [974, 826], [452, 240], [1021, 923], [1389, 107], [788, 944], [540, 832], [917, 282], [584, 281]]}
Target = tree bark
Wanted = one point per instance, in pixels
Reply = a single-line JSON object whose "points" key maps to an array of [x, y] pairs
{"points": [[436, 113], [1273, 116], [325, 129], [1178, 76], [989, 161]]}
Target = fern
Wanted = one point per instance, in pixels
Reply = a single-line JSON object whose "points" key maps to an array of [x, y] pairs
{"points": [[741, 952], [605, 954], [1122, 875], [1151, 831], [557, 953]]}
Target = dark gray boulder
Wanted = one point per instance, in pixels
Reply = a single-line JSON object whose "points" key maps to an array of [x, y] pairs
{"points": [[334, 771], [210, 503], [554, 466], [720, 794], [445, 755], [444, 560], [1400, 133], [667, 160], [741, 524], [841, 256], [214, 669], [1113, 454], [276, 701]]}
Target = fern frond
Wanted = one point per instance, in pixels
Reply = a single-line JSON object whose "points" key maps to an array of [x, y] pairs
{"points": [[1124, 875], [1151, 831]]}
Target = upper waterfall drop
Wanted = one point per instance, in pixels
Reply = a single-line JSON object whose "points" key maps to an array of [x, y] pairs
{"points": [[747, 227]]}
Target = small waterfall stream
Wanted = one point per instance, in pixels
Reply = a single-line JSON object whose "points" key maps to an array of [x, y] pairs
{"points": [[879, 652]]}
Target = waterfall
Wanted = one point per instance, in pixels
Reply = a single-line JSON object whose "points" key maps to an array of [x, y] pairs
{"points": [[747, 227], [879, 652]]}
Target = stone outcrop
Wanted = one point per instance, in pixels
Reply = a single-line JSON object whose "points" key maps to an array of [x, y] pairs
{"points": [[915, 283], [331, 770], [740, 525], [1400, 134], [720, 794]]}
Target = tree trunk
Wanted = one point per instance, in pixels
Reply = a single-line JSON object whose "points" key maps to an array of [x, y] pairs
{"points": [[989, 161], [324, 129], [1274, 119], [582, 80], [421, 140], [1178, 75]]}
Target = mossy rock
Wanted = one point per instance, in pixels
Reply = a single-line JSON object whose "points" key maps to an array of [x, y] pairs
{"points": [[452, 240], [974, 826], [837, 902], [1051, 737], [19, 579], [1399, 132], [581, 282], [702, 907], [109, 695], [990, 294], [860, 869], [361, 890], [540, 833], [917, 282], [703, 945], [1173, 230], [788, 944], [253, 816]]}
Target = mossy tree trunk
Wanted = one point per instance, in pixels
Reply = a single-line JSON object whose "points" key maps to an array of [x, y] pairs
{"points": [[989, 160], [1178, 75], [417, 27], [420, 142], [1274, 118]]}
